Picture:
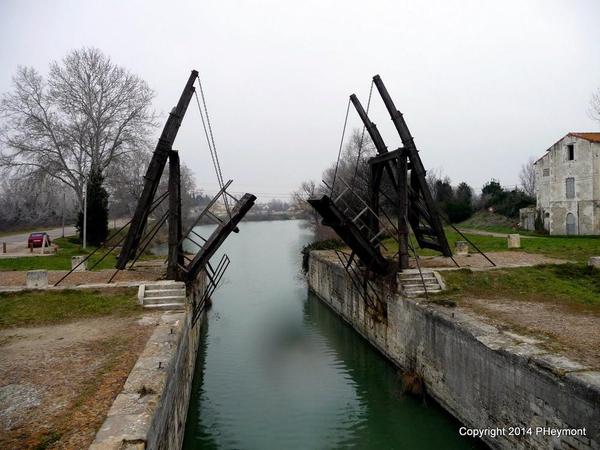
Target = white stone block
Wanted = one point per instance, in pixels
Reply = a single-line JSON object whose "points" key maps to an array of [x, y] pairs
{"points": [[594, 261], [514, 241], [37, 279], [462, 248], [141, 293], [75, 260]]}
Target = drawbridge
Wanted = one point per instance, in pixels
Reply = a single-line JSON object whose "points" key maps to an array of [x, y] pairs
{"points": [[363, 229], [189, 253], [364, 225]]}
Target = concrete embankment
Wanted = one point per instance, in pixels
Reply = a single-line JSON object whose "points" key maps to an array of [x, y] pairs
{"points": [[498, 384], [151, 410]]}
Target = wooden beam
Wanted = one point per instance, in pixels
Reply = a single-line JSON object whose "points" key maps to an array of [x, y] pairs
{"points": [[417, 165], [154, 172], [349, 232], [386, 157], [218, 236]]}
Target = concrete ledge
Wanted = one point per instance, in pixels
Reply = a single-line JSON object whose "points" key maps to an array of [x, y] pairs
{"points": [[485, 377], [151, 410]]}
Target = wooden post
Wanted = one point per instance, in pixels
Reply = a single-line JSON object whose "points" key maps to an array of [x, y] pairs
{"points": [[402, 177], [4, 247], [374, 185], [175, 255]]}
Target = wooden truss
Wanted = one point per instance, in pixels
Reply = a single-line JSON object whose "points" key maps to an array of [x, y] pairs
{"points": [[414, 203]]}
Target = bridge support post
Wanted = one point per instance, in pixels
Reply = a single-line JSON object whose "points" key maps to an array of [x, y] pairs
{"points": [[175, 245], [402, 179]]}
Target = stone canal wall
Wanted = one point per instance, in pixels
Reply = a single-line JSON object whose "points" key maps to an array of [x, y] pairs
{"points": [[151, 410], [486, 378]]}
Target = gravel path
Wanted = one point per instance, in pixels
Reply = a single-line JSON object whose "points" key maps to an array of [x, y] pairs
{"points": [[558, 327], [57, 382], [490, 233], [15, 278]]}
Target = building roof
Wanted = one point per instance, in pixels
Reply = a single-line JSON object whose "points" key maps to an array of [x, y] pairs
{"points": [[591, 136]]}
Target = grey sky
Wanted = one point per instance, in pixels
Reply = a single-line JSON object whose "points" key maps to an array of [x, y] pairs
{"points": [[483, 85]]}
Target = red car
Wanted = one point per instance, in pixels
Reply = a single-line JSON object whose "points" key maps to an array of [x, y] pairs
{"points": [[37, 240]]}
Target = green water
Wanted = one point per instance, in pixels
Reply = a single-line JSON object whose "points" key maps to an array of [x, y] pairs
{"points": [[277, 369]]}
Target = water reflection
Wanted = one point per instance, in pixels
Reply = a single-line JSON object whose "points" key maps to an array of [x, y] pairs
{"points": [[277, 369]]}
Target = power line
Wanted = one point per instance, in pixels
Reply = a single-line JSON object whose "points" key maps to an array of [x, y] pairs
{"points": [[264, 194]]}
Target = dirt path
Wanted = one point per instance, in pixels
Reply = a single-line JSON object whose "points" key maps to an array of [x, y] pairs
{"points": [[58, 382], [144, 273], [490, 233], [575, 334], [477, 261]]}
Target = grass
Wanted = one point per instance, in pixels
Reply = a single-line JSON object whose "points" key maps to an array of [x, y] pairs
{"points": [[573, 248], [574, 284], [29, 308], [68, 247], [496, 223], [48, 440]]}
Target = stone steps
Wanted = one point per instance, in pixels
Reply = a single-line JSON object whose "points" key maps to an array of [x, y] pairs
{"points": [[420, 286], [164, 299], [164, 292], [410, 283], [169, 306], [410, 280], [163, 295], [167, 284]]}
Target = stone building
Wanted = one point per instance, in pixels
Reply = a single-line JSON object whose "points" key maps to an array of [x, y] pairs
{"points": [[568, 186]]}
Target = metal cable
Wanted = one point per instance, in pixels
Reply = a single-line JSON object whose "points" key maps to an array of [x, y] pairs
{"points": [[340, 150], [362, 137], [210, 149], [216, 157]]}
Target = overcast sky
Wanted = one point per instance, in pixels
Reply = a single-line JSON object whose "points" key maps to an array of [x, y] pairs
{"points": [[483, 86]]}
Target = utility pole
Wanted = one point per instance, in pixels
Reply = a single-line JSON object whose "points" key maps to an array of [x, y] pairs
{"points": [[84, 214], [63, 214]]}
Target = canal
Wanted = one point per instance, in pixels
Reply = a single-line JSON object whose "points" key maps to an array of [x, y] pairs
{"points": [[278, 370]]}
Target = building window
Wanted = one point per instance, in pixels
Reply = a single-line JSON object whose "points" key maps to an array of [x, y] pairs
{"points": [[570, 152], [546, 172], [570, 187]]}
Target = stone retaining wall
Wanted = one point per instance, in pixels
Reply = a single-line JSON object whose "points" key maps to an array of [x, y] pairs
{"points": [[486, 378], [151, 410]]}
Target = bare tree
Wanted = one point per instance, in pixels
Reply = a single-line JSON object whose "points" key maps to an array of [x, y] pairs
{"points": [[38, 201], [353, 165], [352, 168], [125, 182], [188, 188], [307, 190], [594, 110], [527, 177], [87, 112], [432, 177]]}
